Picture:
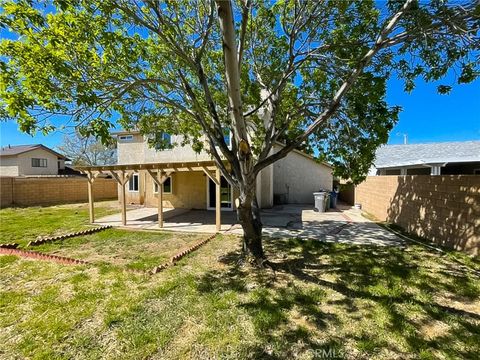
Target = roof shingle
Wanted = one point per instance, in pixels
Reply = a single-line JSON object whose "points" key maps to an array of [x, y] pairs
{"points": [[12, 150], [431, 153]]}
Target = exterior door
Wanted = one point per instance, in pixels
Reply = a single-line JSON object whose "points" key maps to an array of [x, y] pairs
{"points": [[225, 195]]}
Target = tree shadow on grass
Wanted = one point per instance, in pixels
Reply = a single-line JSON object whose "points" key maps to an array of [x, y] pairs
{"points": [[338, 290]]}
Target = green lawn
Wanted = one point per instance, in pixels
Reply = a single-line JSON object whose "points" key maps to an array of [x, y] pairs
{"points": [[21, 225], [359, 302], [323, 301]]}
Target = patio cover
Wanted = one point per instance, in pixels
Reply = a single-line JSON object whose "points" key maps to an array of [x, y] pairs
{"points": [[159, 173]]}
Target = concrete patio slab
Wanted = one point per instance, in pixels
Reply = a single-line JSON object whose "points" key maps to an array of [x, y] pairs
{"points": [[184, 220], [343, 225]]}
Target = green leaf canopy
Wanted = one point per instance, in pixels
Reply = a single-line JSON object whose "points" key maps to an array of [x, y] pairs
{"points": [[313, 74]]}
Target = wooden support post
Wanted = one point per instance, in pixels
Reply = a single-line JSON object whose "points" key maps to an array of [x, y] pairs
{"points": [[160, 198], [90, 179], [123, 200], [218, 219], [160, 179], [122, 179]]}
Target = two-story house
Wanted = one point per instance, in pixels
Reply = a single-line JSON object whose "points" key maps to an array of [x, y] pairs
{"points": [[290, 180], [30, 160]]}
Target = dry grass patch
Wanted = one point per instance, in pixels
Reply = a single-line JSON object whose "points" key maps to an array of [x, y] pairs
{"points": [[132, 249]]}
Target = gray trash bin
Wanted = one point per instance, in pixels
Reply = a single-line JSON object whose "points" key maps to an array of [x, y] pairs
{"points": [[320, 198]]}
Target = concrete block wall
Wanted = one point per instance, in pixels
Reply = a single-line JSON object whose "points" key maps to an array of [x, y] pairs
{"points": [[443, 209], [26, 191], [6, 191]]}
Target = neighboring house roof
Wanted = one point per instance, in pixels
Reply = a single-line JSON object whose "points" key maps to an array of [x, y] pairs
{"points": [[14, 150], [390, 156]]}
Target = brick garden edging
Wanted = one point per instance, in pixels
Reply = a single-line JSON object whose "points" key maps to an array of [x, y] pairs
{"points": [[41, 256], [43, 240], [175, 258], [9, 246], [70, 261]]}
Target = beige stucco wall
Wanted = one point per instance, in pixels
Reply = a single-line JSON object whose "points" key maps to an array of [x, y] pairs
{"points": [[130, 151], [137, 151], [189, 188], [25, 163], [177, 154], [189, 191], [22, 164], [8, 166], [299, 176]]}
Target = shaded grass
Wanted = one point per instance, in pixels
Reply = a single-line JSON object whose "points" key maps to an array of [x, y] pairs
{"points": [[134, 250], [343, 300], [459, 256], [21, 225]]}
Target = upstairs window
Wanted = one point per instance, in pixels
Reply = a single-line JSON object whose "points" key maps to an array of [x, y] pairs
{"points": [[227, 137], [125, 137], [39, 162], [167, 186], [133, 183], [163, 141]]}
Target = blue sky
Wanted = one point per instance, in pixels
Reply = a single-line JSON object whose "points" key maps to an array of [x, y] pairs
{"points": [[426, 116], [430, 117]]}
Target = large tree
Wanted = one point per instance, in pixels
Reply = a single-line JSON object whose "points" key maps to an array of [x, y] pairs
{"points": [[307, 73]]}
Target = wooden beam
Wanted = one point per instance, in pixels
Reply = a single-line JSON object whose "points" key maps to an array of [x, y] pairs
{"points": [[210, 175], [154, 177], [160, 198], [121, 177], [218, 219], [179, 166], [162, 179]]}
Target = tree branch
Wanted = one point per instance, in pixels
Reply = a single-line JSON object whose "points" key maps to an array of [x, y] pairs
{"points": [[344, 88]]}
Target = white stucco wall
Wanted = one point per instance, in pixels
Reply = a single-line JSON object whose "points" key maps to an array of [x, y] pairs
{"points": [[298, 176], [8, 166], [25, 163]]}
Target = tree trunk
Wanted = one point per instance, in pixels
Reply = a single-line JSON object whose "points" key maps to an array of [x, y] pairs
{"points": [[249, 217]]}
